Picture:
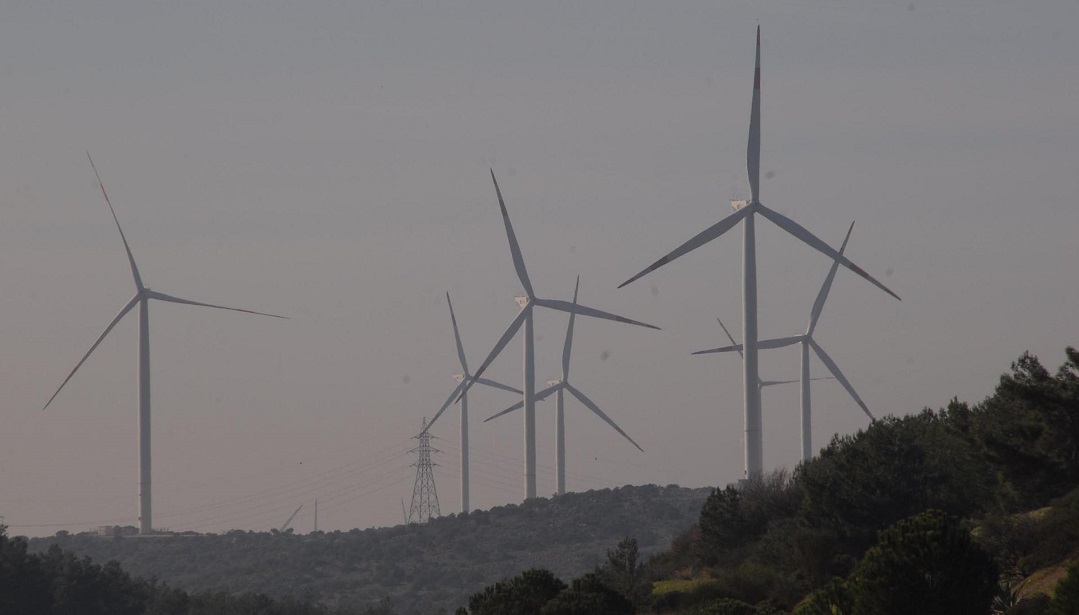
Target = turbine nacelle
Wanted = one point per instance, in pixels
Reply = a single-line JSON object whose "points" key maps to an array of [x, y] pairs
{"points": [[458, 377], [522, 301], [737, 204]]}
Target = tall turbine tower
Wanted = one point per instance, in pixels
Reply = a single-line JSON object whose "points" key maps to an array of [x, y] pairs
{"points": [[806, 340], [524, 317], [559, 387], [142, 300], [462, 378], [745, 212]]}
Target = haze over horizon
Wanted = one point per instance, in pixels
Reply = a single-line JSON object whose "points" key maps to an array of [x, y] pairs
{"points": [[330, 163]]}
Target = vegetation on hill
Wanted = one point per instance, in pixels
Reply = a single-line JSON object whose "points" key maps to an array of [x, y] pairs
{"points": [[58, 582], [926, 513], [419, 568], [969, 510]]}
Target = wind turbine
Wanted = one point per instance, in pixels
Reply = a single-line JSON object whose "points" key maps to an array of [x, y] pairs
{"points": [[463, 378], [560, 387], [761, 384], [142, 298], [807, 342], [745, 212], [524, 318]]}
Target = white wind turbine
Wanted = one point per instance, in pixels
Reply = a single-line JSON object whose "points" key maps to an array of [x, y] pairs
{"points": [[524, 317], [807, 342], [761, 384], [142, 300], [461, 379], [744, 212], [560, 387]]}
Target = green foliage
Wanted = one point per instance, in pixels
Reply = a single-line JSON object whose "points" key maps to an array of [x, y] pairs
{"points": [[60, 583], [834, 598], [896, 468], [624, 573], [723, 524], [524, 594], [23, 586], [1029, 430], [925, 564], [420, 567], [1066, 598], [589, 595]]}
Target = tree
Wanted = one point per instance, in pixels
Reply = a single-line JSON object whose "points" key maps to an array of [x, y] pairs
{"points": [[725, 524], [1029, 430], [23, 585], [588, 595], [524, 594], [623, 572], [896, 468], [834, 598], [925, 564]]}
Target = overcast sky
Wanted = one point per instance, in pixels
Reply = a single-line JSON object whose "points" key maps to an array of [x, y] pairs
{"points": [[329, 161]]}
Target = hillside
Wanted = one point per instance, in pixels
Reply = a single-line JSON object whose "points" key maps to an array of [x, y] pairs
{"points": [[420, 568]]}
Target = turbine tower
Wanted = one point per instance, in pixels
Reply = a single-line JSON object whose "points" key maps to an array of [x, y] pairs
{"points": [[745, 212], [424, 496], [560, 387], [461, 379], [761, 384], [735, 346], [806, 340], [524, 318], [142, 298]]}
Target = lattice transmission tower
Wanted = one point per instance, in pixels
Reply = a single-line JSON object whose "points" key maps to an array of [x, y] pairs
{"points": [[424, 496]]}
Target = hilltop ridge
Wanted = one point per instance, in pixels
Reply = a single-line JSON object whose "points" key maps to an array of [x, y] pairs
{"points": [[420, 568]]}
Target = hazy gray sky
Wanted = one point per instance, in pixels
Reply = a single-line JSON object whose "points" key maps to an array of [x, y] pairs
{"points": [[329, 161]]}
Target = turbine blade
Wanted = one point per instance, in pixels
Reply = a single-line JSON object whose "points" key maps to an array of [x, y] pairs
{"points": [[502, 341], [780, 342], [127, 248], [497, 385], [516, 406], [577, 308], [591, 405], [730, 337], [735, 348], [753, 150], [822, 296], [569, 333], [832, 367], [515, 248], [772, 383], [153, 294], [457, 336], [800, 232], [123, 311], [449, 400], [697, 241], [541, 395]]}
